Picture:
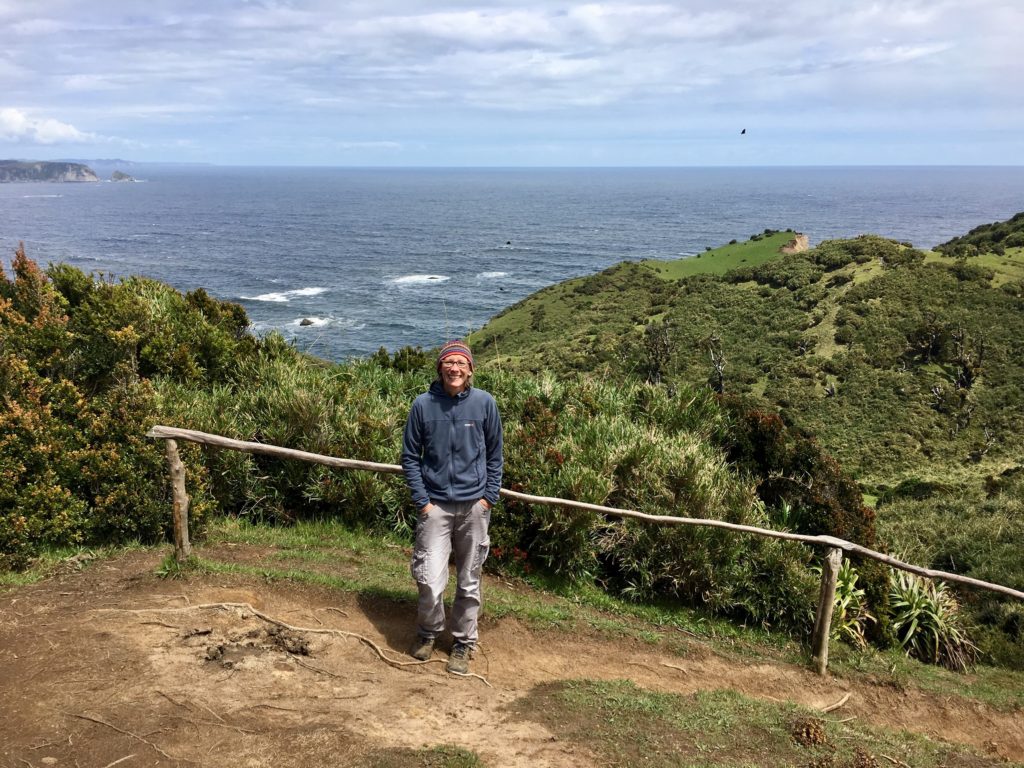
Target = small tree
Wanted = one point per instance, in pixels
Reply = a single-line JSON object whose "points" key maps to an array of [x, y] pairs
{"points": [[657, 350], [713, 344]]}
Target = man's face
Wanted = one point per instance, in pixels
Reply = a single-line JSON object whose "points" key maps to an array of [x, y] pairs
{"points": [[455, 373]]}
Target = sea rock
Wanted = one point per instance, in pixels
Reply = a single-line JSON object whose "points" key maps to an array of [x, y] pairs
{"points": [[17, 170], [121, 176], [305, 321]]}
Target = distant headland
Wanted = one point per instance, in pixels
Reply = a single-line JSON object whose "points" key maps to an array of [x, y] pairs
{"points": [[18, 170]]}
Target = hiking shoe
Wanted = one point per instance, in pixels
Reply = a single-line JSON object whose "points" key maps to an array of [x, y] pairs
{"points": [[422, 648], [458, 660]]}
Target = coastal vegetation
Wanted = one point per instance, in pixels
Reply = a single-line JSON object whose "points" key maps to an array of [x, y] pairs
{"points": [[91, 365], [905, 366], [772, 390]]}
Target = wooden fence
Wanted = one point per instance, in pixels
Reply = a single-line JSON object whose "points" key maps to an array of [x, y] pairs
{"points": [[831, 563]]}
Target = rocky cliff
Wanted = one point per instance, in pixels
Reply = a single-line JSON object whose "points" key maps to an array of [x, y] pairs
{"points": [[17, 170]]}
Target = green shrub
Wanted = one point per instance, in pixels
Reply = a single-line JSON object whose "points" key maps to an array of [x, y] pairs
{"points": [[792, 272], [965, 271], [987, 237], [75, 465], [999, 630], [791, 468]]}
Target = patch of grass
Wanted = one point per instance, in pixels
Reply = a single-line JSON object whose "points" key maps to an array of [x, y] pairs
{"points": [[50, 561], [372, 587], [528, 607], [720, 260], [997, 687], [304, 535], [444, 756], [628, 725], [171, 568], [645, 621]]}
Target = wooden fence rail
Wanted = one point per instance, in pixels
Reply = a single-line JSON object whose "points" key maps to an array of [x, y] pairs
{"points": [[836, 547]]}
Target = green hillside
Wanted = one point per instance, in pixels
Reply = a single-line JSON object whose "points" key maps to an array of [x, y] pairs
{"points": [[894, 358], [906, 366], [903, 365], [88, 365], [993, 238]]}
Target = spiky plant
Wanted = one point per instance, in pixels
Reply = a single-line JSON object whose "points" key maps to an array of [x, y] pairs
{"points": [[851, 616], [926, 618]]}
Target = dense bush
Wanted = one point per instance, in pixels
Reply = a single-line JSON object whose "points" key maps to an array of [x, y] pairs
{"points": [[988, 238], [628, 446], [791, 469], [793, 272], [75, 465]]}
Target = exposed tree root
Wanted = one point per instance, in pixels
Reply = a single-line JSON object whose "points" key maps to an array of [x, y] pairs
{"points": [[147, 742], [837, 705], [895, 761]]}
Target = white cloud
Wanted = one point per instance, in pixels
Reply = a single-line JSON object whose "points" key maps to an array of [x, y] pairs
{"points": [[31, 27], [635, 24], [16, 125], [92, 82], [472, 28], [359, 145], [279, 73], [896, 54]]}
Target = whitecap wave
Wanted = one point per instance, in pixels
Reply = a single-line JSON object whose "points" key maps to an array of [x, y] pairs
{"points": [[491, 275], [285, 296], [291, 328], [419, 279], [33, 196]]}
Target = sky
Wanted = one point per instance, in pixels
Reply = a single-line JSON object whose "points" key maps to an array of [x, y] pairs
{"points": [[514, 83]]}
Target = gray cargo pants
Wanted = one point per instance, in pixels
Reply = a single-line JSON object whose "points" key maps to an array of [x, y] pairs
{"points": [[462, 526]]}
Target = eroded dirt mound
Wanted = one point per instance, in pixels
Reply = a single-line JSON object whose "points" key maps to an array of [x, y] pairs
{"points": [[799, 243], [112, 662]]}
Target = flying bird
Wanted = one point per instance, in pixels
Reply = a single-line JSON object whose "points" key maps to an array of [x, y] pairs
{"points": [[743, 132]]}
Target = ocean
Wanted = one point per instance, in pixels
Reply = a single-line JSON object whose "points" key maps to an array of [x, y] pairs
{"points": [[372, 258]]}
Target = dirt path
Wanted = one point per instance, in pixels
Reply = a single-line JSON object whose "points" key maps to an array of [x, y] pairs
{"points": [[112, 665]]}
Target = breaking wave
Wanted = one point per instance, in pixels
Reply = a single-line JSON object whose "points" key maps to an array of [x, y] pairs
{"points": [[285, 296]]}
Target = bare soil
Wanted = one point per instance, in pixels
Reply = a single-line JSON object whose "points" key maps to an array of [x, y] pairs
{"points": [[113, 665]]}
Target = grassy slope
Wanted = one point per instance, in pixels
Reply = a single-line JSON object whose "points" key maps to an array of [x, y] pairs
{"points": [[718, 261], [566, 326], [781, 344]]}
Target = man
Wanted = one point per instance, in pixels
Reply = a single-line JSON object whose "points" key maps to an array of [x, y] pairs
{"points": [[452, 459]]}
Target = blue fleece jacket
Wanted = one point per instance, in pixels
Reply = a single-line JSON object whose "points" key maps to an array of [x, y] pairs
{"points": [[452, 447]]}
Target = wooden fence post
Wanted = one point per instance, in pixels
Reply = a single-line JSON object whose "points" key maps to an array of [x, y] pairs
{"points": [[823, 619], [182, 546]]}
